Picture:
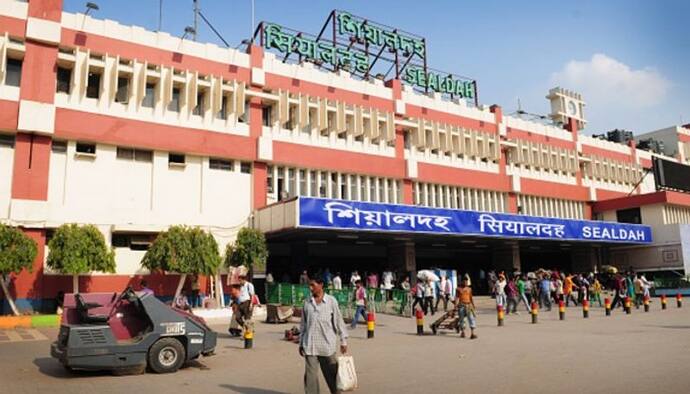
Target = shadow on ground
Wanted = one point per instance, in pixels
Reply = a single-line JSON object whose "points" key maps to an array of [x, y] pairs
{"points": [[250, 390], [51, 367]]}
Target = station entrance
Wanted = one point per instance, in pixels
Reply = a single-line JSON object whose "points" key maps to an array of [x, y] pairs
{"points": [[293, 251]]}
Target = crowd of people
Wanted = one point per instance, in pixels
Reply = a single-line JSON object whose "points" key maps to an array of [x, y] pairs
{"points": [[552, 287]]}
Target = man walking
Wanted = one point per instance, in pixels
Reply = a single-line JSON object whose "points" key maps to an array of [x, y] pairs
{"points": [[466, 309], [545, 292], [445, 291], [360, 304], [321, 328]]}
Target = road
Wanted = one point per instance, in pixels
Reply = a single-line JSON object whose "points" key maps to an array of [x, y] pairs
{"points": [[641, 352]]}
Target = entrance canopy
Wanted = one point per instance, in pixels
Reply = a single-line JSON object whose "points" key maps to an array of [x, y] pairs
{"points": [[327, 214]]}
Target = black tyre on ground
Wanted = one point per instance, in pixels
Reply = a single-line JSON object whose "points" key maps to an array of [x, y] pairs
{"points": [[166, 355]]}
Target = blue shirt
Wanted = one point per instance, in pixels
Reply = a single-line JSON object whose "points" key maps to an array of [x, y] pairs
{"points": [[545, 286]]}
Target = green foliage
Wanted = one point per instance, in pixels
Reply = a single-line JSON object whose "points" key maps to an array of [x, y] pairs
{"points": [[78, 249], [17, 251], [183, 250], [249, 250]]}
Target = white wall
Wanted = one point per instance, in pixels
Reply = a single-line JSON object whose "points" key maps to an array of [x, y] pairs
{"points": [[126, 195], [6, 167]]}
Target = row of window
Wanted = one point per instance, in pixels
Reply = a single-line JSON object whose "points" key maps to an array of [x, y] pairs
{"points": [[531, 154], [611, 170], [287, 182], [550, 207], [140, 155], [92, 75], [674, 214], [454, 197]]}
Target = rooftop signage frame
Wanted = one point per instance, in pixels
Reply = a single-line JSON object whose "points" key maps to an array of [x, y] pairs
{"points": [[364, 216], [366, 49]]}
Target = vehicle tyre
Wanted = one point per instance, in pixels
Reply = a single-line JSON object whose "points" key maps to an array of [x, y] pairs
{"points": [[166, 355]]}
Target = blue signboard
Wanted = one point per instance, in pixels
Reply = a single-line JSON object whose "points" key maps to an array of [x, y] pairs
{"points": [[354, 215]]}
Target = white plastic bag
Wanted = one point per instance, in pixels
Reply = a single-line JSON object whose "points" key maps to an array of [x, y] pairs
{"points": [[347, 376]]}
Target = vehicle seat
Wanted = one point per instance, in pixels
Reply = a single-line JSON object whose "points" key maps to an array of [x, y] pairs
{"points": [[83, 310]]}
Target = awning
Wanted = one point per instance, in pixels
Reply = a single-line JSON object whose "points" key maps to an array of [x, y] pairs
{"points": [[330, 214]]}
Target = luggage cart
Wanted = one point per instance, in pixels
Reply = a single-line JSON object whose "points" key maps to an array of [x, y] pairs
{"points": [[449, 321]]}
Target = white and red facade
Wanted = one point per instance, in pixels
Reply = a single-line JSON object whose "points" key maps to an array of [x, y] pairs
{"points": [[134, 131]]}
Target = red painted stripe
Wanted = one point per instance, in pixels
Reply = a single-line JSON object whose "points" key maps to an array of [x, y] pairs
{"points": [[432, 173], [13, 26], [541, 188], [333, 159], [676, 198], [259, 187], [29, 284], [684, 138], [31, 164], [328, 92], [591, 150], [513, 133], [39, 73], [128, 50], [9, 113], [444, 117], [646, 163], [77, 125], [46, 9], [625, 202], [603, 194]]}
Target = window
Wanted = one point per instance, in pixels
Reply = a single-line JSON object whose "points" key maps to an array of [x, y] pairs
{"points": [[220, 164], [302, 182], [631, 215], [134, 154], [176, 158], [174, 104], [269, 179], [312, 183], [93, 88], [83, 147], [14, 72], [222, 114], [323, 184], [244, 118], [122, 94], [59, 146], [133, 241], [266, 113], [64, 80], [199, 109], [7, 140], [149, 96], [246, 167]]}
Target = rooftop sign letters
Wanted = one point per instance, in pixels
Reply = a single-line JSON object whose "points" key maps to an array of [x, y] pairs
{"points": [[366, 49]]}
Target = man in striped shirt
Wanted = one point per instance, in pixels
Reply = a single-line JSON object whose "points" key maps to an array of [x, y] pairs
{"points": [[321, 328]]}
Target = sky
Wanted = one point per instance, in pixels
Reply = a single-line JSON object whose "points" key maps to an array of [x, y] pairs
{"points": [[628, 58]]}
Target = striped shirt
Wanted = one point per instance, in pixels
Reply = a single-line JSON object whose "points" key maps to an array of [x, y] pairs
{"points": [[321, 326]]}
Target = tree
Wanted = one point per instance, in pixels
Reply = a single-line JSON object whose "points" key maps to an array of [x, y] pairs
{"points": [[183, 250], [78, 250], [17, 252], [249, 249]]}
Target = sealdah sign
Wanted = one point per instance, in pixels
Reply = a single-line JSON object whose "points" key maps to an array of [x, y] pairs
{"points": [[619, 234]]}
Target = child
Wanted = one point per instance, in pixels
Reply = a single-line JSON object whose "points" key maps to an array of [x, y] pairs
{"points": [[596, 292]]}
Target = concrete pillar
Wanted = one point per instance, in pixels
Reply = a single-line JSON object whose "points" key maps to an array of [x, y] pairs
{"points": [[584, 260], [402, 259], [507, 258]]}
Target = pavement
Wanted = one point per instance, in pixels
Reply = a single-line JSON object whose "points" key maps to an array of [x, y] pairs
{"points": [[641, 352]]}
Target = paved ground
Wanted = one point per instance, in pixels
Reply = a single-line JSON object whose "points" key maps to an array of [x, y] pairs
{"points": [[642, 352]]}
